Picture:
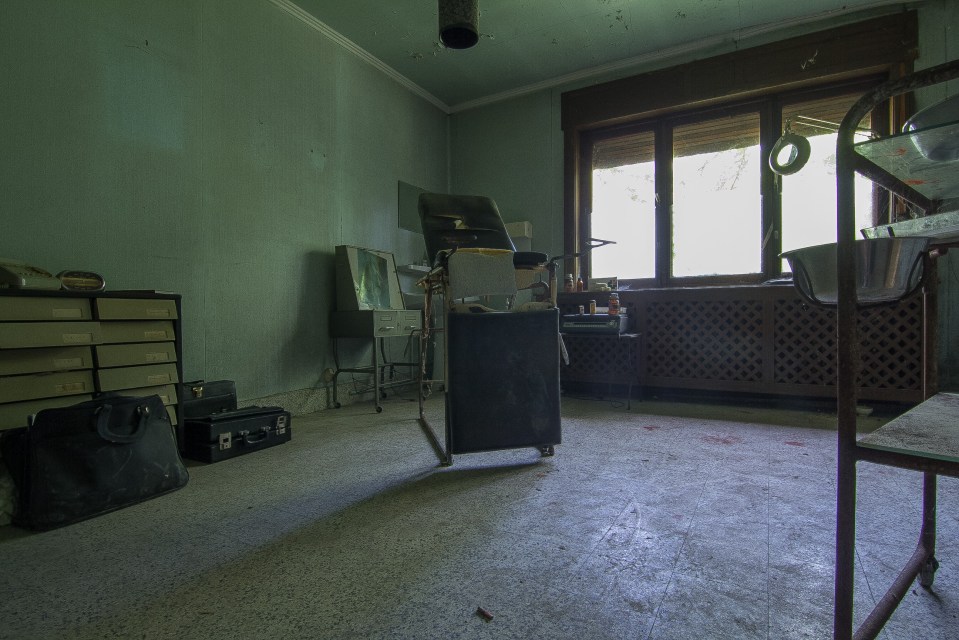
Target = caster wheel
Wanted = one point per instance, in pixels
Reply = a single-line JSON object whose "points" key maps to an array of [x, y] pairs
{"points": [[928, 572], [547, 450], [379, 409], [336, 405]]}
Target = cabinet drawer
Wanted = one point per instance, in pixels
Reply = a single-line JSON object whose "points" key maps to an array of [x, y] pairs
{"points": [[135, 309], [19, 361], [135, 377], [45, 385], [16, 414], [395, 323], [121, 355], [48, 334], [167, 393], [156, 331], [13, 308]]}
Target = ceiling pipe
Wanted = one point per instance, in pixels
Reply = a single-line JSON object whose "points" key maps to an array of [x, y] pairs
{"points": [[459, 20]]}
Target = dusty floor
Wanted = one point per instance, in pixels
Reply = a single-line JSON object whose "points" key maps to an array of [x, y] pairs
{"points": [[665, 521]]}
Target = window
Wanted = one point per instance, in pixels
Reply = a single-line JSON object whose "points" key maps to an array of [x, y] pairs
{"points": [[671, 161], [689, 197], [624, 205], [716, 221], [808, 208]]}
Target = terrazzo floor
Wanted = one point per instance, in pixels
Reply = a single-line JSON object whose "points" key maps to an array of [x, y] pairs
{"points": [[663, 522]]}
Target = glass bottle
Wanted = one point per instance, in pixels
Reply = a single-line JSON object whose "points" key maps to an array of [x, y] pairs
{"points": [[614, 304]]}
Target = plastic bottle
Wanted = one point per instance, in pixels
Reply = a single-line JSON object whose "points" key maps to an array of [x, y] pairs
{"points": [[568, 286], [614, 304], [579, 283]]}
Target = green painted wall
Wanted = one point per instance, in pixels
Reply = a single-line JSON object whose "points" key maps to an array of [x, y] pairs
{"points": [[215, 148], [512, 151]]}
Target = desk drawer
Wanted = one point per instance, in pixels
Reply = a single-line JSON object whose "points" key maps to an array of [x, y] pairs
{"points": [[137, 331], [121, 355], [15, 414], [375, 323], [14, 335], [135, 377], [395, 323], [167, 393], [44, 308], [20, 361], [45, 385], [135, 309]]}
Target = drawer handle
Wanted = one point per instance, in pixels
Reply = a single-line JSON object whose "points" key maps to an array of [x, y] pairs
{"points": [[410, 327], [387, 328]]}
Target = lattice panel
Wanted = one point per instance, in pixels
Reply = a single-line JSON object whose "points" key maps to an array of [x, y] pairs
{"points": [[598, 358], [891, 339], [805, 343], [706, 340], [890, 343]]}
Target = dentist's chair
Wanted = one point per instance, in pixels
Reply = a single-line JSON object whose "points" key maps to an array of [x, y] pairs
{"points": [[502, 367]]}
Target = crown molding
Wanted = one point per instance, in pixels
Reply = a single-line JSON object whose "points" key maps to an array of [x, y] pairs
{"points": [[361, 53], [732, 37]]}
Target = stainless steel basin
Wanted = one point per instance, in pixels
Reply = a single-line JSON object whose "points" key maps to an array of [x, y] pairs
{"points": [[887, 269]]}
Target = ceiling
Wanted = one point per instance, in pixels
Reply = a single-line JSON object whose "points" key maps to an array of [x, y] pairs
{"points": [[528, 44]]}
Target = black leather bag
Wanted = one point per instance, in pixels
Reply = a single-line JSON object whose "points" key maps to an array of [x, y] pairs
{"points": [[77, 462]]}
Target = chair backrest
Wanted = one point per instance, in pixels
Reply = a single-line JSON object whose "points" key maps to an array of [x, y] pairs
{"points": [[452, 222]]}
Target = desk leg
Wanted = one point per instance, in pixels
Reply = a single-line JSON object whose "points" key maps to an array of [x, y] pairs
{"points": [[927, 538], [336, 373], [376, 378], [922, 564], [845, 547]]}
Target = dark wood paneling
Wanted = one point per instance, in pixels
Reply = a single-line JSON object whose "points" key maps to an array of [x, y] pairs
{"points": [[871, 45], [757, 339]]}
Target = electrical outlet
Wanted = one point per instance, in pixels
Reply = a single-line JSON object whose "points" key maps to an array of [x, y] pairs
{"points": [[328, 375]]}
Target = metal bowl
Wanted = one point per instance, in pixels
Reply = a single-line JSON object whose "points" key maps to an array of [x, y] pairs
{"points": [[933, 147], [887, 270]]}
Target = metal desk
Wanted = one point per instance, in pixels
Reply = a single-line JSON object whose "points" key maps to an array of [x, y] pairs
{"points": [[374, 325]]}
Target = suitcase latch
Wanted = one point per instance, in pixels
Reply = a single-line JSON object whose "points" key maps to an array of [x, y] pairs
{"points": [[281, 424], [226, 441]]}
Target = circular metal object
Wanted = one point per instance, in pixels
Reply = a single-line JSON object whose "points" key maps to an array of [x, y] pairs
{"points": [[458, 22], [798, 154], [81, 281]]}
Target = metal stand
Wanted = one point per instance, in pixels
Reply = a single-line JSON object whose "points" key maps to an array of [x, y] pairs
{"points": [[376, 369], [904, 442]]}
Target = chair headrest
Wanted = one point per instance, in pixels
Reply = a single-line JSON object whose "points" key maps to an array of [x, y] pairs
{"points": [[454, 221]]}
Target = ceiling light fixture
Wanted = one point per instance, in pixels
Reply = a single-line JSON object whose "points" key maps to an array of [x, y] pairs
{"points": [[459, 20]]}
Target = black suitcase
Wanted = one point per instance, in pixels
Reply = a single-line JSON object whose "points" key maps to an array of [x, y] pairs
{"points": [[229, 434], [201, 398]]}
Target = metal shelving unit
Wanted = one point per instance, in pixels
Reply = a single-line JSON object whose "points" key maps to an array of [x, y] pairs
{"points": [[926, 438]]}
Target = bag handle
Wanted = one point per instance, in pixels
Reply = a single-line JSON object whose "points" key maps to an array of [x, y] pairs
{"points": [[103, 414], [260, 436]]}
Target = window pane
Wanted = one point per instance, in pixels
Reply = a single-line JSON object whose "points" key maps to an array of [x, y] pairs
{"points": [[717, 216], [809, 195], [624, 207]]}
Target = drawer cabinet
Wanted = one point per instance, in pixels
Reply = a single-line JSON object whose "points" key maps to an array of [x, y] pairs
{"points": [[60, 348], [138, 354], [376, 323]]}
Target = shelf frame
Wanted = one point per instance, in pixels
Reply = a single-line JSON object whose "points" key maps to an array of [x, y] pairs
{"points": [[850, 451]]}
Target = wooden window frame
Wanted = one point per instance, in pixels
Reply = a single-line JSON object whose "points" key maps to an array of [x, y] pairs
{"points": [[881, 48]]}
